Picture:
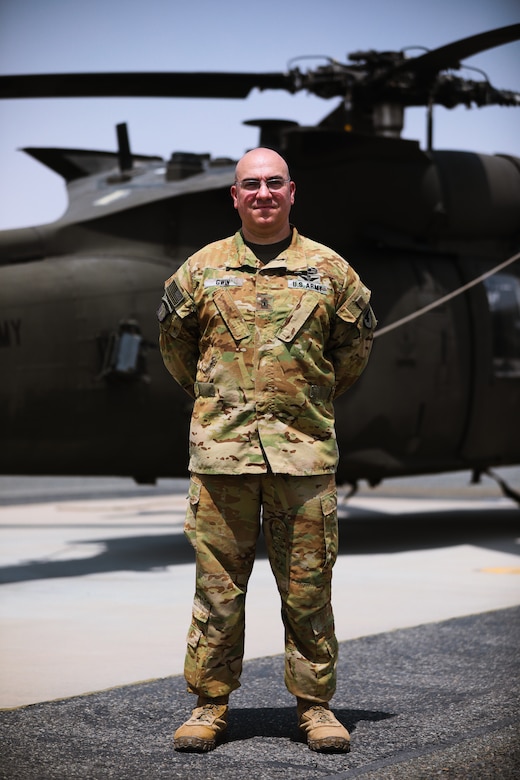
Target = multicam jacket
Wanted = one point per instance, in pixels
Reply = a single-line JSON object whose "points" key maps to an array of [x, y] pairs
{"points": [[264, 350]]}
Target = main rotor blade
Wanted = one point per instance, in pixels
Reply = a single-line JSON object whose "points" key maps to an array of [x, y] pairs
{"points": [[175, 84], [239, 85], [449, 56]]}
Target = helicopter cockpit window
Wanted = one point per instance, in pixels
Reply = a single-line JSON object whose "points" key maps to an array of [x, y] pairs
{"points": [[503, 293]]}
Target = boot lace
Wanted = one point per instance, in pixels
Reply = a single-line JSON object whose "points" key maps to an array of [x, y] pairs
{"points": [[208, 713], [322, 715]]}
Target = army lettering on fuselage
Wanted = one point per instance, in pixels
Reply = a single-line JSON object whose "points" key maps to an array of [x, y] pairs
{"points": [[10, 333]]}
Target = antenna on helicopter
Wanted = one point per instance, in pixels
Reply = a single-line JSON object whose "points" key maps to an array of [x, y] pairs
{"points": [[125, 157]]}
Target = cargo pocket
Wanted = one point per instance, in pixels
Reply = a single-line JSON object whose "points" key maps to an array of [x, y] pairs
{"points": [[197, 643], [190, 521], [329, 508], [199, 618], [322, 624]]}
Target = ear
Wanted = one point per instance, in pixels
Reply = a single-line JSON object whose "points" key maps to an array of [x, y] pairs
{"points": [[233, 191], [292, 190]]}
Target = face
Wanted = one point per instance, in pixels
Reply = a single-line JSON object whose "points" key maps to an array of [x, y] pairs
{"points": [[264, 212]]}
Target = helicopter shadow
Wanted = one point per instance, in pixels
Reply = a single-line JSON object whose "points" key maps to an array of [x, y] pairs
{"points": [[364, 533], [132, 553], [368, 532]]}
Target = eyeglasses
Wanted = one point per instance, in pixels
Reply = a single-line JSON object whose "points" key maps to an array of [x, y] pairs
{"points": [[272, 184]]}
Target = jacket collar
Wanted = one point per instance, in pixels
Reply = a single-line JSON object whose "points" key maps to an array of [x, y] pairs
{"points": [[291, 259]]}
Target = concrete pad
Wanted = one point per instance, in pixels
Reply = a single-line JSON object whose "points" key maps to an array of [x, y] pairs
{"points": [[97, 593]]}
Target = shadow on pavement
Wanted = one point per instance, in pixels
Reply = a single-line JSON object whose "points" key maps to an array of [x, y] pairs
{"points": [[365, 532], [249, 722]]}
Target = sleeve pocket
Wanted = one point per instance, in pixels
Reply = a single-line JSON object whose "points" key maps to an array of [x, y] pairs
{"points": [[355, 305]]}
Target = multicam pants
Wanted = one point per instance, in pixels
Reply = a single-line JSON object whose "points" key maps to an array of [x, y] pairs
{"points": [[299, 520]]}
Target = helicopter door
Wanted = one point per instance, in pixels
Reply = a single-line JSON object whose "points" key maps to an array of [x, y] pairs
{"points": [[409, 411], [494, 426]]}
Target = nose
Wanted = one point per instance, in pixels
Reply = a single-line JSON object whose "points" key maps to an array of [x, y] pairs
{"points": [[263, 190]]}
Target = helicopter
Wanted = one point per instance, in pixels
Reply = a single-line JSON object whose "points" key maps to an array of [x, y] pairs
{"points": [[434, 234]]}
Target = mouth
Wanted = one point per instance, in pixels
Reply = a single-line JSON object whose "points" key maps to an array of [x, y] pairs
{"points": [[264, 206]]}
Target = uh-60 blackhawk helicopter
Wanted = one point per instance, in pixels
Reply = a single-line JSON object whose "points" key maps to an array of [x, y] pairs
{"points": [[434, 234]]}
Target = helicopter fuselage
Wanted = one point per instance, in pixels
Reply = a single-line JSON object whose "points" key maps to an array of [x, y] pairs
{"points": [[84, 390]]}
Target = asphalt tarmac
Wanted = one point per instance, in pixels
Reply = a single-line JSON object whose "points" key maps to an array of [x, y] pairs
{"points": [[97, 584], [434, 701]]}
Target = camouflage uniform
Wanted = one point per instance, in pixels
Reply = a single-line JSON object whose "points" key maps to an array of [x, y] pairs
{"points": [[264, 349]]}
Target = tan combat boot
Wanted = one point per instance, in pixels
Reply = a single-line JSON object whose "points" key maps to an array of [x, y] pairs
{"points": [[208, 721], [324, 732]]}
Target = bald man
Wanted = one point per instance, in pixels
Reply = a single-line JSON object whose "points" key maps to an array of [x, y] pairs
{"points": [[264, 329]]}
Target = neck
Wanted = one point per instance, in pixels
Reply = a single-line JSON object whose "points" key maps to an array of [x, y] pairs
{"points": [[263, 238]]}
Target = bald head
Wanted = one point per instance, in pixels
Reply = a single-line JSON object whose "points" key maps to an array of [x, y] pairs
{"points": [[264, 211], [261, 158]]}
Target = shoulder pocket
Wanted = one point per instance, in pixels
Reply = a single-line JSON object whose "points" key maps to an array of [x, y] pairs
{"points": [[175, 306], [355, 305], [231, 315], [171, 322]]}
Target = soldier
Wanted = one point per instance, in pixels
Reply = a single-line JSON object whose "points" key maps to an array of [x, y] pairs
{"points": [[263, 329]]}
